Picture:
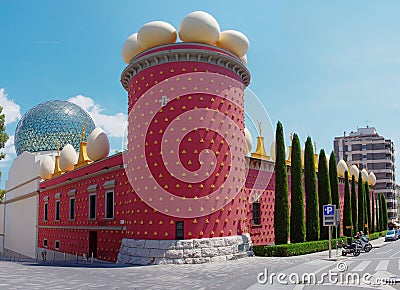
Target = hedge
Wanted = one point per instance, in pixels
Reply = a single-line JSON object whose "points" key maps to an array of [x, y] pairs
{"points": [[302, 248]]}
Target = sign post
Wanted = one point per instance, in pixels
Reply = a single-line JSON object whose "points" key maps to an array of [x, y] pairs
{"points": [[337, 219], [329, 219]]}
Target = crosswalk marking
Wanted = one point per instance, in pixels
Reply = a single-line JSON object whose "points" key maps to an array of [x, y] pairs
{"points": [[382, 265], [361, 267]]}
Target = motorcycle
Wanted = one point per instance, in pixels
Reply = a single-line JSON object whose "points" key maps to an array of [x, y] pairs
{"points": [[351, 248], [363, 243]]}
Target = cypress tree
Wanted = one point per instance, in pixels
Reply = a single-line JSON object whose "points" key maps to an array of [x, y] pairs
{"points": [[312, 217], [368, 205], [354, 205], [297, 223], [324, 192], [373, 213], [334, 182], [281, 214], [381, 227], [361, 207], [347, 209], [385, 213]]}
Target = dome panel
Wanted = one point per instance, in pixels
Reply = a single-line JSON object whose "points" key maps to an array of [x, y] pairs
{"points": [[50, 122]]}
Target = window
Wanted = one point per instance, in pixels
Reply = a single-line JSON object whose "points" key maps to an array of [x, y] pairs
{"points": [[45, 243], [72, 208], [109, 205], [57, 210], [92, 206], [256, 213], [57, 245], [46, 210], [180, 233]]}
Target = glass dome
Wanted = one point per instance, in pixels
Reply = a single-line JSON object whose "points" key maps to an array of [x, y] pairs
{"points": [[46, 124]]}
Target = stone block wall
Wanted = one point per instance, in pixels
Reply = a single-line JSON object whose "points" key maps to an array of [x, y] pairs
{"points": [[194, 251]]}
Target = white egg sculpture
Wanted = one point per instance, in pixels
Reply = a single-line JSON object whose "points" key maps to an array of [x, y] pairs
{"points": [[354, 172], [68, 158], [273, 150], [199, 26], [131, 48], [364, 175], [342, 168], [372, 179], [243, 59], [46, 168], [249, 141], [302, 155], [156, 33], [98, 145], [233, 41]]}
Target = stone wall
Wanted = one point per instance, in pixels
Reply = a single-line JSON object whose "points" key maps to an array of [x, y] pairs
{"points": [[194, 251]]}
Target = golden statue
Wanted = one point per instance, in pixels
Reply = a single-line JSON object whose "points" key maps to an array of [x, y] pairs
{"points": [[83, 132], [260, 127]]}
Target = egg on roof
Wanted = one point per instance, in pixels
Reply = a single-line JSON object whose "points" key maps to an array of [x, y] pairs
{"points": [[342, 168], [156, 33], [98, 145], [68, 158], [131, 48], [354, 172], [244, 59], [233, 41], [199, 26], [372, 179], [249, 141], [273, 150], [46, 168]]}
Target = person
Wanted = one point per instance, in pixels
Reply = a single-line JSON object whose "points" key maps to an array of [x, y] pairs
{"points": [[44, 254]]}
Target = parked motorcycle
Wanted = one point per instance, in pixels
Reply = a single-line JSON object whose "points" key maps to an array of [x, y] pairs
{"points": [[363, 243], [351, 248]]}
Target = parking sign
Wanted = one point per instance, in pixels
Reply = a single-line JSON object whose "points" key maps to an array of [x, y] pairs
{"points": [[329, 217]]}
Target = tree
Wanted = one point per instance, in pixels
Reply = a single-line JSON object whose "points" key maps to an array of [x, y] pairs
{"points": [[312, 217], [334, 182], [373, 213], [354, 205], [281, 214], [385, 213], [380, 212], [368, 205], [324, 191], [297, 224], [347, 208], [361, 207], [3, 134]]}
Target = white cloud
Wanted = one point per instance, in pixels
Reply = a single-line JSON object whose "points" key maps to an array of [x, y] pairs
{"points": [[11, 110], [9, 150], [113, 125]]}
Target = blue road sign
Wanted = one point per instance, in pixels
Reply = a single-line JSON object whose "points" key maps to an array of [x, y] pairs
{"points": [[329, 210]]}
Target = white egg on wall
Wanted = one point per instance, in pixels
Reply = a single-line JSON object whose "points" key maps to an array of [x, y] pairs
{"points": [[46, 169], [354, 172], [249, 141], [364, 175], [233, 41], [156, 33], [98, 145], [131, 48], [372, 179], [199, 26], [273, 150], [68, 158], [342, 168]]}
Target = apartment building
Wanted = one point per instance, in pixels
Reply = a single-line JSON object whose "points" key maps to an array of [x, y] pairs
{"points": [[367, 149]]}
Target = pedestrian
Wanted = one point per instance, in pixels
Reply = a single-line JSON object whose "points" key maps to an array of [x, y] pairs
{"points": [[44, 254]]}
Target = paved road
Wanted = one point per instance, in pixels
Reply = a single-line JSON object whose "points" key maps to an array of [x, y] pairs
{"points": [[239, 274]]}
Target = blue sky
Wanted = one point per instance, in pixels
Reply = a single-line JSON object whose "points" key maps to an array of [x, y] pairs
{"points": [[320, 67]]}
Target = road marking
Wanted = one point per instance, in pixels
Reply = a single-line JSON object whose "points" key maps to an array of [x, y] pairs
{"points": [[399, 264], [361, 267], [384, 252], [382, 265], [394, 254]]}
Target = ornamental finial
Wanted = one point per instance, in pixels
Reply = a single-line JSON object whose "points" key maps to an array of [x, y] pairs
{"points": [[260, 127]]}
